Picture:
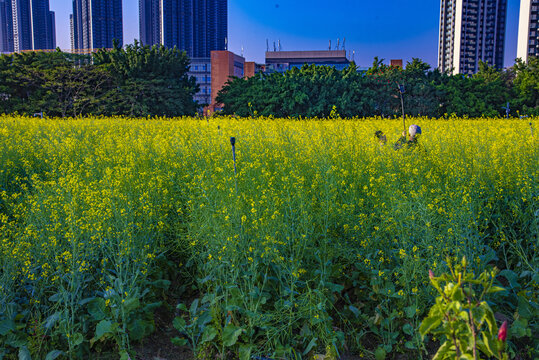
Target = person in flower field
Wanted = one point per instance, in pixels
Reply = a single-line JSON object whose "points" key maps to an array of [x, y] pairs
{"points": [[414, 132]]}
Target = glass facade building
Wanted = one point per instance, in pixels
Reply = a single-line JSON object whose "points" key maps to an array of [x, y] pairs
{"points": [[6, 27], [195, 26], [96, 24], [26, 25], [471, 31]]}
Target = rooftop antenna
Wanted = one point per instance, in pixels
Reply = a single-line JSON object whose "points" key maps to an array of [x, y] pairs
{"points": [[242, 51], [274, 47], [330, 45], [267, 45], [279, 44], [343, 42], [353, 55], [338, 43]]}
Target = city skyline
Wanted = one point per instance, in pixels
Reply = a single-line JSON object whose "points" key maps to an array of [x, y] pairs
{"points": [[372, 29]]}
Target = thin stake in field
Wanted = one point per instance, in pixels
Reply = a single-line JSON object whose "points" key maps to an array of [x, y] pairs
{"points": [[507, 109], [401, 92], [233, 143]]}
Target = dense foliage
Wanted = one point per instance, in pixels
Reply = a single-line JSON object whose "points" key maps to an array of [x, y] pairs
{"points": [[313, 91], [132, 81], [322, 242]]}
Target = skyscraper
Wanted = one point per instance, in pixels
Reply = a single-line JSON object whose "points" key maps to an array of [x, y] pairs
{"points": [[95, 24], [6, 27], [528, 29], [196, 26], [470, 31], [26, 25]]}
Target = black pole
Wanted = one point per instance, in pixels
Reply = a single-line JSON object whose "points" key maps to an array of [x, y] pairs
{"points": [[233, 143], [401, 91]]}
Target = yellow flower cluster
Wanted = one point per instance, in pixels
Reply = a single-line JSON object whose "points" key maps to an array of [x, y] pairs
{"points": [[310, 200]]}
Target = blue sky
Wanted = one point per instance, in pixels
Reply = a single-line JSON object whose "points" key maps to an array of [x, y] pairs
{"points": [[390, 29]]}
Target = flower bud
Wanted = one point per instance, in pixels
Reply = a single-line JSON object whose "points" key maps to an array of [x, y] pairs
{"points": [[502, 333], [431, 274]]}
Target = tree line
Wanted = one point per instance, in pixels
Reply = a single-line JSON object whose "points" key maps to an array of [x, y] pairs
{"points": [[320, 91], [133, 81], [145, 81]]}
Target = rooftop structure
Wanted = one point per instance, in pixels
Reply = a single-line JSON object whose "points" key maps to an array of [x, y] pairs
{"points": [[281, 61]]}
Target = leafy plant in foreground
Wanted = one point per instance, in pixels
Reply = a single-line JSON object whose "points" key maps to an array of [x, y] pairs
{"points": [[462, 317]]}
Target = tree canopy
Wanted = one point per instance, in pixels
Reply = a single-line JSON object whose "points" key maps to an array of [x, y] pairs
{"points": [[133, 81], [313, 91]]}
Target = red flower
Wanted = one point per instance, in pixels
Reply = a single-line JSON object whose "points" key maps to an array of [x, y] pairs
{"points": [[431, 274], [502, 333]]}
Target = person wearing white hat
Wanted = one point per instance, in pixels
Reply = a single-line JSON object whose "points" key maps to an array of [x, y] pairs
{"points": [[414, 131], [413, 134]]}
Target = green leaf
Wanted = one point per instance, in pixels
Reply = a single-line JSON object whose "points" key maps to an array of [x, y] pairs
{"points": [[137, 329], [209, 334], [194, 307], [490, 345], [97, 309], [245, 352], [104, 327], [380, 354], [408, 329], [124, 355], [410, 311], [53, 354], [179, 324], [131, 304], [511, 276], [444, 352], [179, 341], [231, 334], [310, 346], [24, 354], [77, 339], [410, 345], [51, 320], [488, 317], [495, 289], [6, 326], [181, 307], [354, 310], [429, 323]]}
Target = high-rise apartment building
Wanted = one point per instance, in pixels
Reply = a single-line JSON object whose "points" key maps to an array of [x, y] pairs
{"points": [[26, 25], [6, 27], [196, 26], [471, 31], [95, 24], [528, 29]]}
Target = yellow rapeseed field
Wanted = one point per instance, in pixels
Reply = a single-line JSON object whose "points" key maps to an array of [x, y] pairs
{"points": [[322, 234]]}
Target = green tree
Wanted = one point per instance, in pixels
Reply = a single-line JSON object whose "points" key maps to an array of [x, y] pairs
{"points": [[148, 81], [526, 85]]}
